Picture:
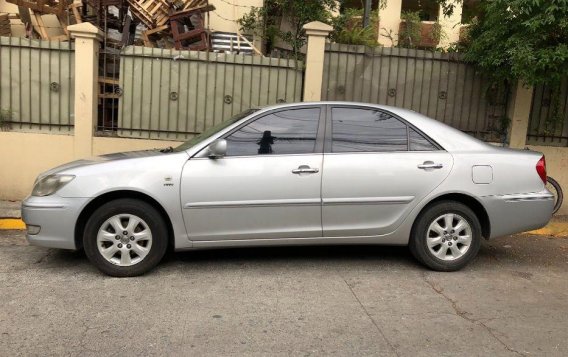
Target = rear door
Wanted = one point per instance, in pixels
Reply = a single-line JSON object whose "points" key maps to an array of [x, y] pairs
{"points": [[376, 169]]}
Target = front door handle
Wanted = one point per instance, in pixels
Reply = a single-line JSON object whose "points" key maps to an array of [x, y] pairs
{"points": [[427, 165], [305, 169]]}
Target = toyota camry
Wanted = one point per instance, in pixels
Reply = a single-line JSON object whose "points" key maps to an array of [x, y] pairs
{"points": [[294, 174]]}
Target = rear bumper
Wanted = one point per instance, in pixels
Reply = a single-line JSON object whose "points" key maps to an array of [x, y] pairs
{"points": [[56, 217], [516, 213]]}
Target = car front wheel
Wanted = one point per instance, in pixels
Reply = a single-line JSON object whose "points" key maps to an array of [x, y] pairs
{"points": [[125, 237], [446, 237]]}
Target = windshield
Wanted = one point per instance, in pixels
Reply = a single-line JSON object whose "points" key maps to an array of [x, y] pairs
{"points": [[213, 130]]}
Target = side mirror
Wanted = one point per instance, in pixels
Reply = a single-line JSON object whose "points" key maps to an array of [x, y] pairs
{"points": [[217, 149]]}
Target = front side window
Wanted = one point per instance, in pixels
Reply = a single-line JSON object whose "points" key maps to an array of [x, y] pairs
{"points": [[367, 130], [213, 130], [290, 131]]}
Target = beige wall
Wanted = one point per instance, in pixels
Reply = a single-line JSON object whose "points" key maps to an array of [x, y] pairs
{"points": [[451, 25], [225, 15], [556, 167], [106, 145], [389, 21], [25, 155]]}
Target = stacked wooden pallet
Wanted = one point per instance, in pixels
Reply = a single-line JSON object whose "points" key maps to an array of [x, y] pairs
{"points": [[181, 5], [153, 13], [181, 20], [57, 7], [169, 23], [5, 25]]}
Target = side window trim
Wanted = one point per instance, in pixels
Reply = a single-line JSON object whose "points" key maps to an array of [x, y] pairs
{"points": [[329, 133], [319, 143]]}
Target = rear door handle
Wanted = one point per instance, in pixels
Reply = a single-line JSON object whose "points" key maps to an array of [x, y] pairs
{"points": [[429, 165], [305, 169]]}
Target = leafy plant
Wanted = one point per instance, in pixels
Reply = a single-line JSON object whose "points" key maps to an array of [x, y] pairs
{"points": [[410, 33], [265, 22], [348, 28], [521, 39], [6, 117], [524, 40]]}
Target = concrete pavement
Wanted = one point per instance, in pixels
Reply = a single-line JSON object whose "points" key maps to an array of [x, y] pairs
{"points": [[512, 301]]}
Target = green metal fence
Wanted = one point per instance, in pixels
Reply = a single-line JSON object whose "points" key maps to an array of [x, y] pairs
{"points": [[548, 123], [170, 94], [439, 85], [37, 84]]}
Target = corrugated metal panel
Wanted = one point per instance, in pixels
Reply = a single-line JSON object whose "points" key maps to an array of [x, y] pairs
{"points": [[37, 84], [436, 84], [170, 94]]}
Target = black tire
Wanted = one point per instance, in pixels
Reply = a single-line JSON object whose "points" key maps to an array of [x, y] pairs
{"points": [[557, 191], [418, 239], [151, 217]]}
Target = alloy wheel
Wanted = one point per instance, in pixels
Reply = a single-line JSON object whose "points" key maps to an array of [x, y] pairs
{"points": [[124, 239], [449, 237]]}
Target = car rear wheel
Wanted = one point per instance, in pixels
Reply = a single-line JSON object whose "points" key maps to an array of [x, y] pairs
{"points": [[125, 237], [446, 237]]}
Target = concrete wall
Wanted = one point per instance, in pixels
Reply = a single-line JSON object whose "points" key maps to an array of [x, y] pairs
{"points": [[225, 16], [25, 155], [557, 167], [390, 22]]}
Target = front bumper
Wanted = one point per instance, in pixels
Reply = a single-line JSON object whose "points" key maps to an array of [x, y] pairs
{"points": [[517, 213], [56, 218]]}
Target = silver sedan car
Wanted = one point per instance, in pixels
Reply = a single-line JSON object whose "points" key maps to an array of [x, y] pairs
{"points": [[294, 174]]}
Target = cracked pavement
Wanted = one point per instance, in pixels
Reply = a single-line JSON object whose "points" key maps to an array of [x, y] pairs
{"points": [[351, 300]]}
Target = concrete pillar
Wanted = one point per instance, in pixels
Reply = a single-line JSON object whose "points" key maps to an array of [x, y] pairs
{"points": [[519, 112], [451, 24], [389, 22], [317, 33], [87, 39]]}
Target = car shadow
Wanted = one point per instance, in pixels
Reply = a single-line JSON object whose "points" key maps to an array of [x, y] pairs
{"points": [[398, 257], [294, 254]]}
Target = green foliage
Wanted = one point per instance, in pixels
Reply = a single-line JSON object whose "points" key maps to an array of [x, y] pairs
{"points": [[265, 22], [410, 34], [521, 39], [6, 116], [348, 28]]}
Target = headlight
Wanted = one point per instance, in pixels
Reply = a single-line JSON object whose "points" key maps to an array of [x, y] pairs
{"points": [[48, 185]]}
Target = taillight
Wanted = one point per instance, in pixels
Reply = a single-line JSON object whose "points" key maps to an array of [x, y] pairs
{"points": [[541, 169]]}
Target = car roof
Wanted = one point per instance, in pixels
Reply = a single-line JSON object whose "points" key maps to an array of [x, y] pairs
{"points": [[448, 137]]}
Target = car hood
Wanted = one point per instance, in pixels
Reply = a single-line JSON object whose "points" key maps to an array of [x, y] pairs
{"points": [[103, 159]]}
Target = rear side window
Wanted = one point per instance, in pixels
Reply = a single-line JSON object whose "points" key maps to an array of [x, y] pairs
{"points": [[418, 142], [291, 131], [367, 130]]}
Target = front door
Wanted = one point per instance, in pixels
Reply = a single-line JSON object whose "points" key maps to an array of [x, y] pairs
{"points": [[268, 186], [376, 169]]}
